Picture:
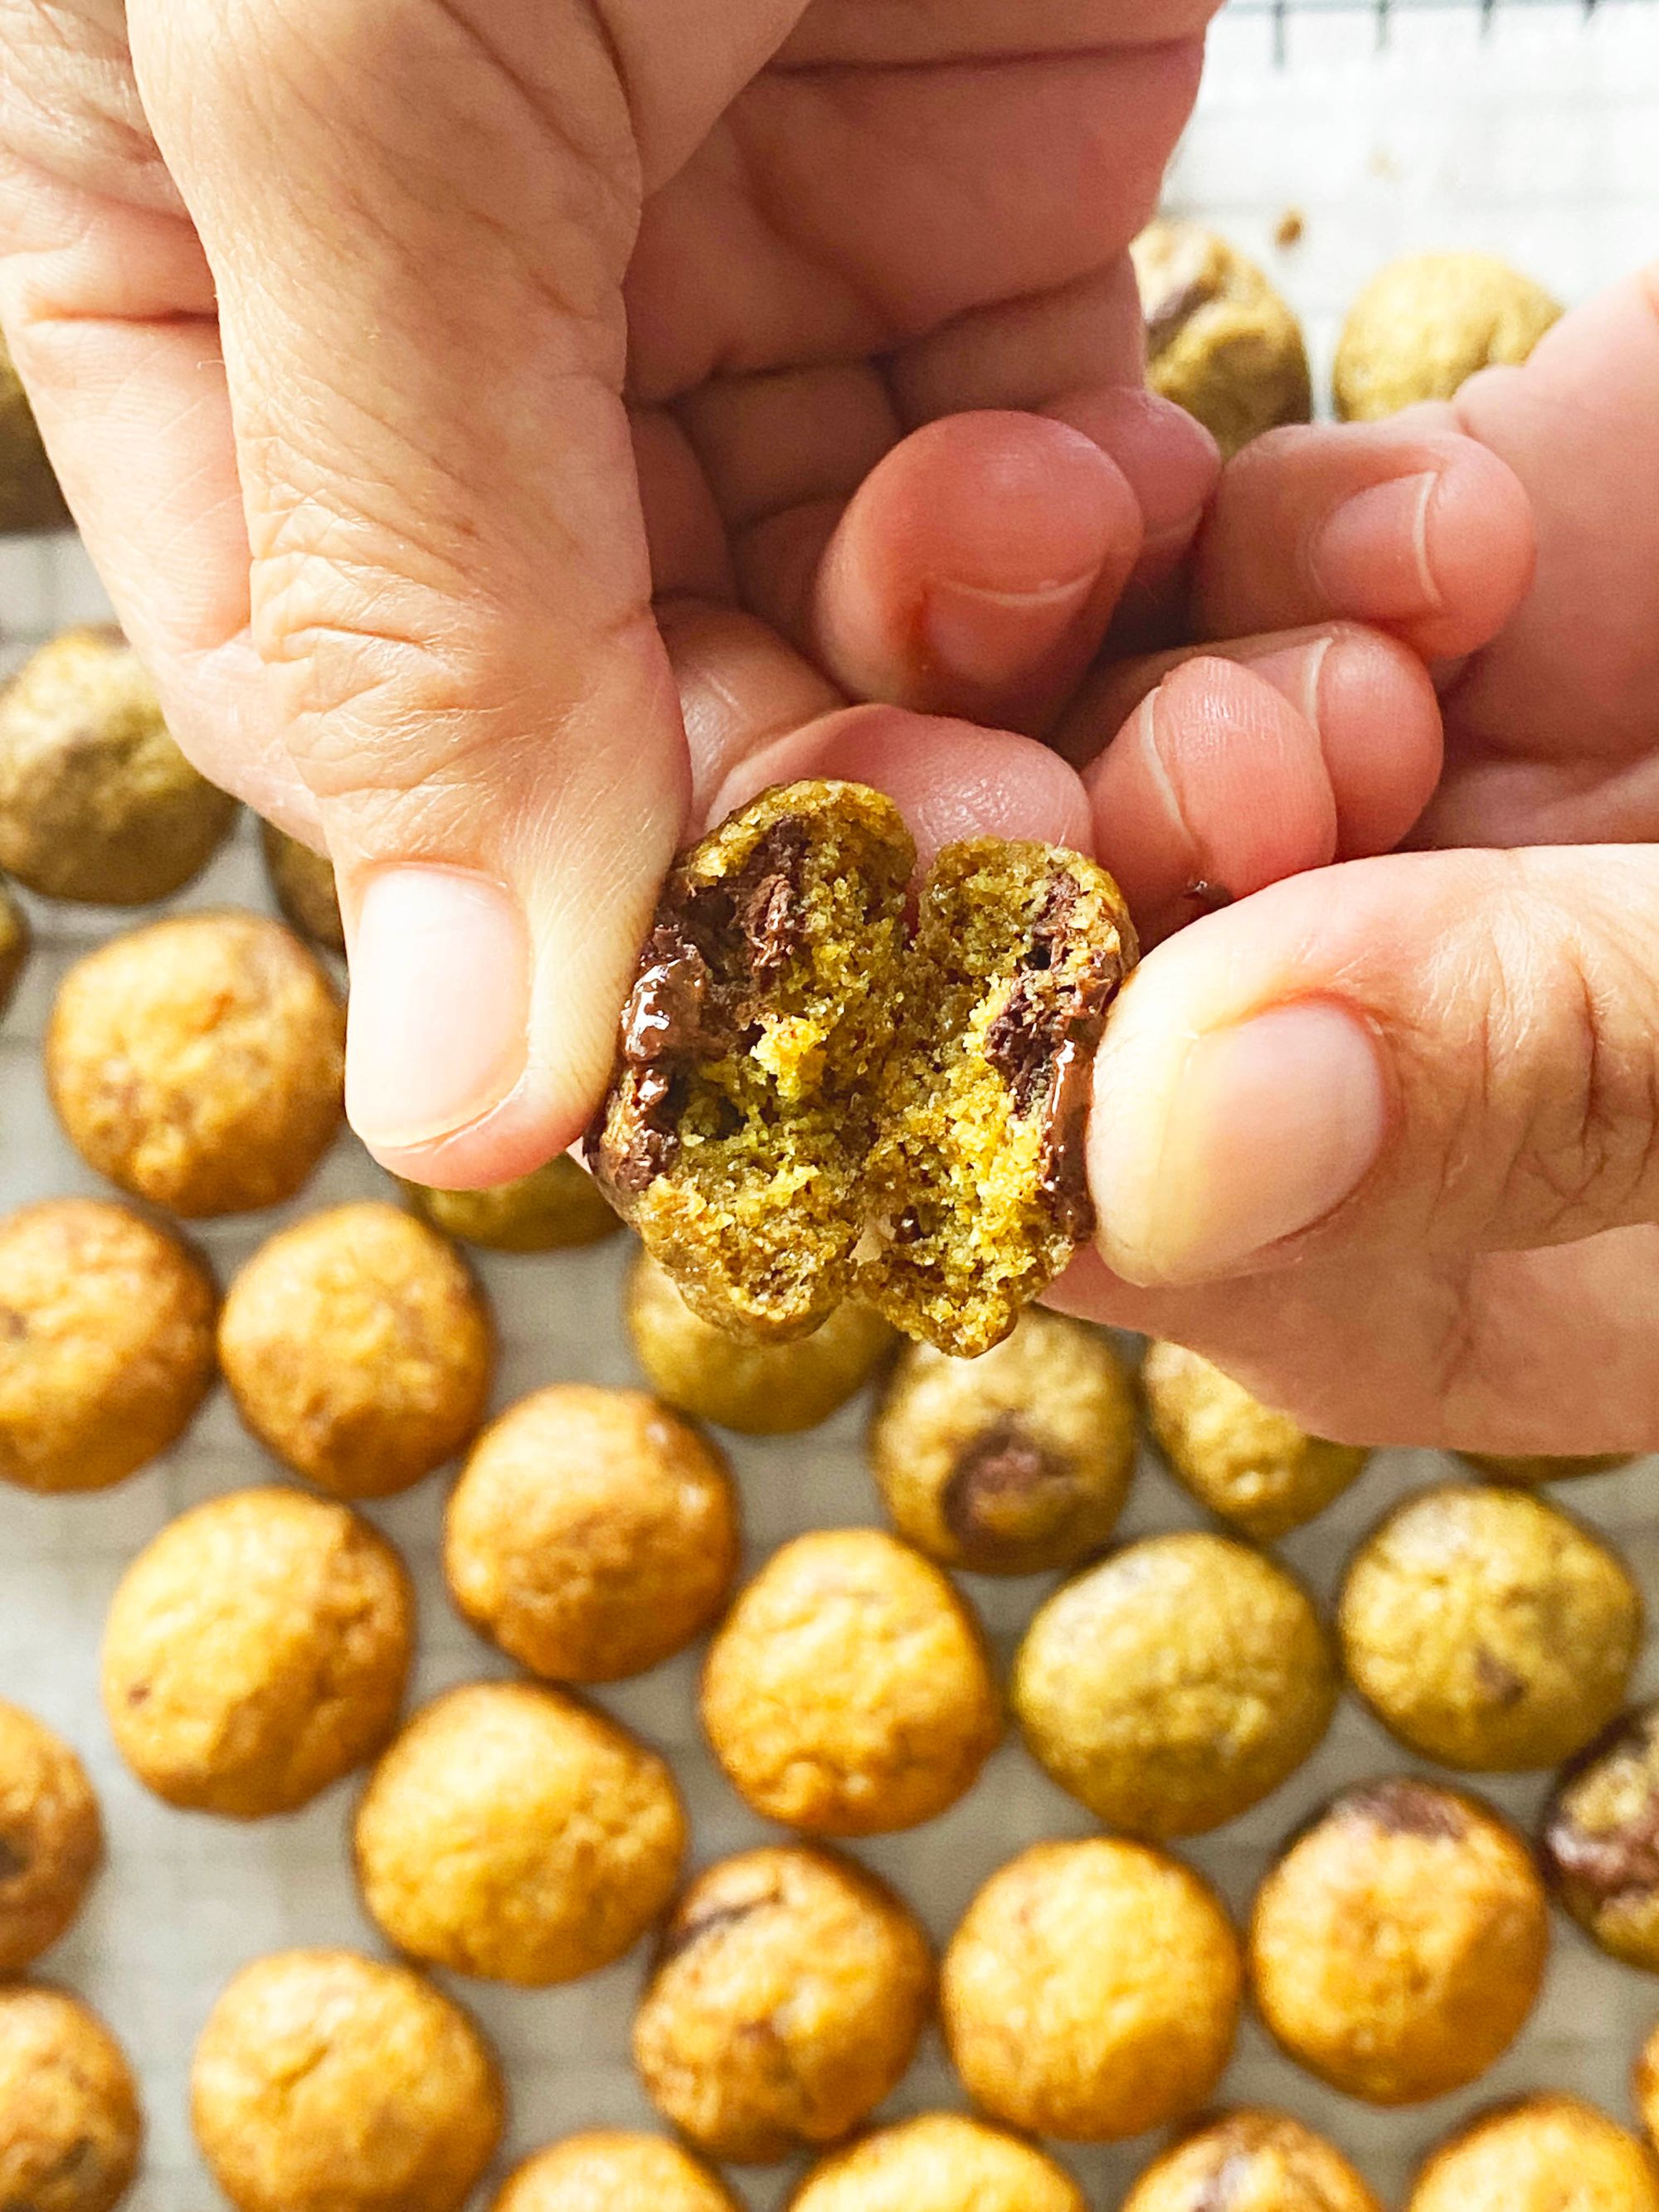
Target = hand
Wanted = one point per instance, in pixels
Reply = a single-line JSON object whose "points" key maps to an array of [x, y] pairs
{"points": [[1384, 1140], [396, 358]]}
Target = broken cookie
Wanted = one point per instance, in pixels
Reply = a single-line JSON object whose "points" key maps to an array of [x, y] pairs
{"points": [[736, 1129]]}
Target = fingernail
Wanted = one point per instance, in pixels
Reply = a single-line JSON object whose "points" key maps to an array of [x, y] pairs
{"points": [[984, 637], [1370, 556], [439, 1013], [1295, 670], [1264, 1129]]}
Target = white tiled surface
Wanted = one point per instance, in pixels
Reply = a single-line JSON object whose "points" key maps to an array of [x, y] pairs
{"points": [[1538, 142]]}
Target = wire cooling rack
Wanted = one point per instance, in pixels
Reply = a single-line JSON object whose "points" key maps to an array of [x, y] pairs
{"points": [[1529, 128]]}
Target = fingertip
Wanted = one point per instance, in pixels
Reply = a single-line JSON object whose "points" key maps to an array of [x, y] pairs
{"points": [[1481, 547], [1380, 733], [1169, 459]]}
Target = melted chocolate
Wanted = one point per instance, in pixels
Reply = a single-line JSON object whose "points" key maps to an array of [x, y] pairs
{"points": [[1210, 897], [1407, 1808]]}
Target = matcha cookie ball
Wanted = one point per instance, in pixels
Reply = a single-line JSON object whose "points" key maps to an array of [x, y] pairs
{"points": [[96, 801], [1013, 1463], [848, 1692], [199, 1062], [1487, 1630], [69, 2122], [1397, 1947], [760, 1389], [510, 1832], [1174, 1686], [255, 1652], [788, 2000], [941, 2162], [592, 1535], [1543, 2153], [608, 2171], [29, 497], [106, 1345], [1252, 1467], [359, 1349], [1599, 1843], [557, 1209], [1530, 1470], [50, 1838], [1251, 2161], [302, 883], [1644, 2086], [15, 938], [1424, 325], [327, 2082], [1220, 342], [1091, 1992]]}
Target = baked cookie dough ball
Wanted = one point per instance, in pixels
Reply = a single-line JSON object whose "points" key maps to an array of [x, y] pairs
{"points": [[1599, 1843], [1091, 1992], [848, 1692], [359, 1349], [1487, 1630], [199, 1062], [15, 938], [1220, 342], [1397, 1947], [106, 1347], [1255, 2161], [96, 801], [1424, 325], [50, 1838], [1530, 1470], [1013, 1463], [511, 1833], [1253, 1466], [29, 497], [941, 2162], [760, 1389], [327, 2082], [787, 2003], [69, 2122], [556, 1208], [608, 2170], [255, 1652], [592, 1535], [1523, 2156], [302, 883], [1175, 1685]]}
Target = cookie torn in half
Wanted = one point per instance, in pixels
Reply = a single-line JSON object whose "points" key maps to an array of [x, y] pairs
{"points": [[739, 1120]]}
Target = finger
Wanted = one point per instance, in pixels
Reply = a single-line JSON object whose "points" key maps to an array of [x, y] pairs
{"points": [[1172, 464], [1434, 1054], [1404, 523], [974, 571]]}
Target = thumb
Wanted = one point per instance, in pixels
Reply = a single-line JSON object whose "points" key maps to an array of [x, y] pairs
{"points": [[1421, 1054], [418, 216]]}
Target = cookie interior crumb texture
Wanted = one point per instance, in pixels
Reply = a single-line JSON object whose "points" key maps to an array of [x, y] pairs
{"points": [[555, 1208], [1221, 340], [609, 2170], [323, 2082], [512, 1833], [593, 1534], [199, 1062], [51, 1839], [1599, 1841], [939, 2162], [734, 1135], [69, 2122], [1250, 1465], [1398, 1945], [758, 1388], [303, 883], [787, 2001], [1540, 2153], [1251, 2161], [978, 1183], [848, 1692], [1013, 1463], [255, 1652], [106, 1343], [1425, 323], [96, 801], [1091, 1992]]}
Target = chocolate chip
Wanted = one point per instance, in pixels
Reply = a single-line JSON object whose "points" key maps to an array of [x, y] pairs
{"points": [[998, 1479], [1165, 316], [13, 1860], [1497, 1682], [766, 899], [1404, 1807], [682, 1935], [663, 1018]]}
